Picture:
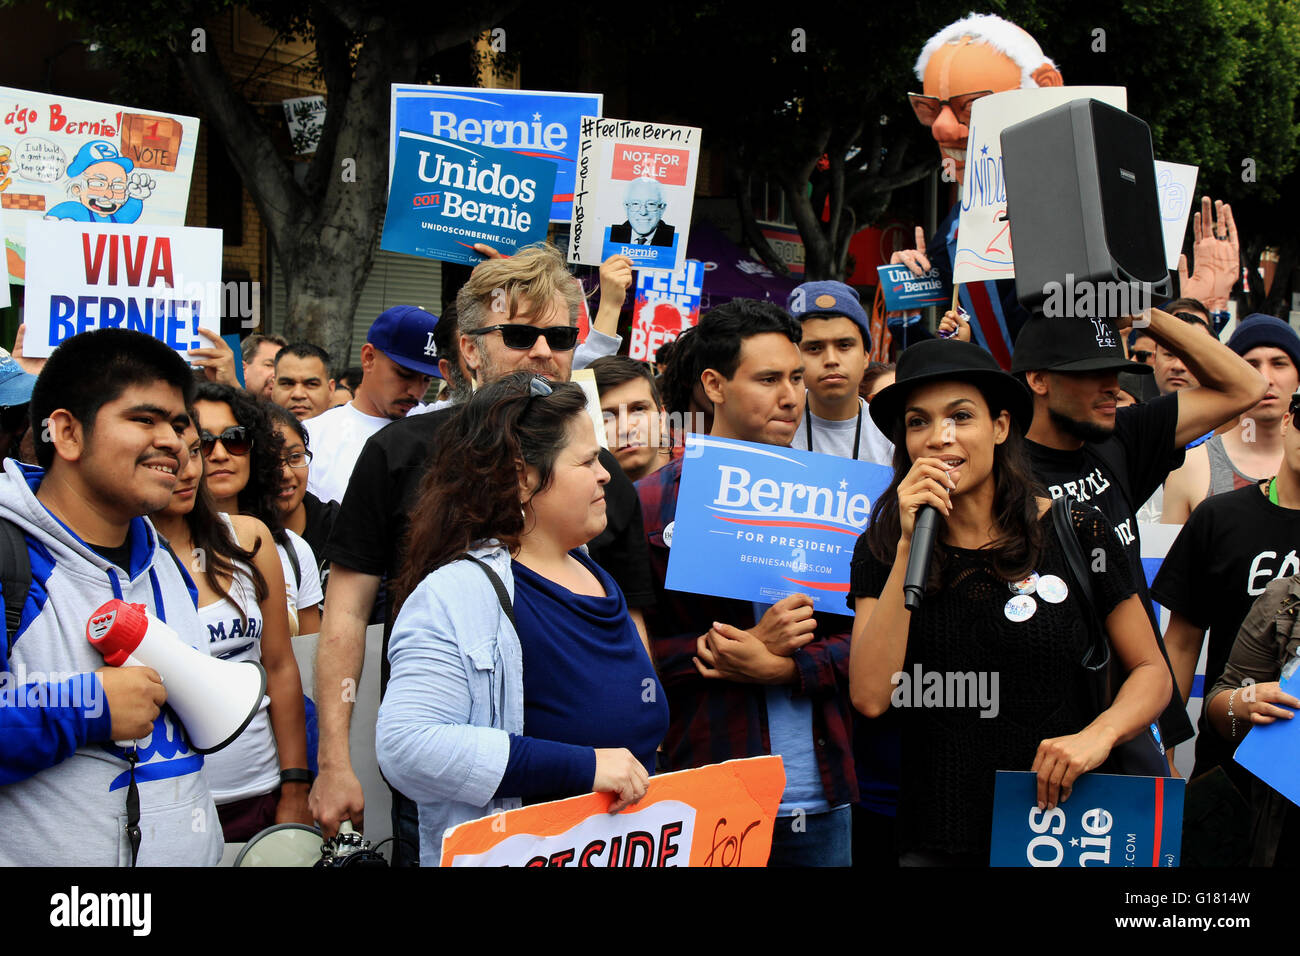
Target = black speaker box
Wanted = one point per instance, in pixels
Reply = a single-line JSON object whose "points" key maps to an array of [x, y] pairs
{"points": [[1084, 213]]}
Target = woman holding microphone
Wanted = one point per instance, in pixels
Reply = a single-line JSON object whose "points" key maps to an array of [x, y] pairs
{"points": [[997, 609]]}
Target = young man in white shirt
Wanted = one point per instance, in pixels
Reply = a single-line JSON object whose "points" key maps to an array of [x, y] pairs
{"points": [[398, 360], [836, 340]]}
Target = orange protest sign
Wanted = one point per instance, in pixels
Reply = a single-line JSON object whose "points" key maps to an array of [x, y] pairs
{"points": [[719, 815]]}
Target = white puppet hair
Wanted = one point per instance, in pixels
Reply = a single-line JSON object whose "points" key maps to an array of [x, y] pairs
{"points": [[1002, 35]]}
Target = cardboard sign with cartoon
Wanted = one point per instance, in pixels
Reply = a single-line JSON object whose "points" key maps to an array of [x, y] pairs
{"points": [[81, 161]]}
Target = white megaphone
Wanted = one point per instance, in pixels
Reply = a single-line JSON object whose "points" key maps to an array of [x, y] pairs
{"points": [[214, 699]]}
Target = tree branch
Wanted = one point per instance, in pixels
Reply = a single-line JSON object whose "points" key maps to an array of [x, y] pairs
{"points": [[247, 140]]}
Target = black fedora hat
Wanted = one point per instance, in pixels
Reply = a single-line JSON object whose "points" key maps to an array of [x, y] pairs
{"points": [[939, 360]]}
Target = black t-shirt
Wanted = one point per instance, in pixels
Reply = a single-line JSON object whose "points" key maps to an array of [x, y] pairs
{"points": [[1117, 476], [371, 522], [320, 519], [1232, 546], [950, 752]]}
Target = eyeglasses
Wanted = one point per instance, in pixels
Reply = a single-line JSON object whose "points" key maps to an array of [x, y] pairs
{"points": [[1143, 356], [235, 440], [646, 206], [299, 459], [539, 388], [928, 108], [522, 337]]}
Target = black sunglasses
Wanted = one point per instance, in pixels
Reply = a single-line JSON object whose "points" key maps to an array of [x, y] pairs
{"points": [[1141, 355], [520, 336], [235, 440]]}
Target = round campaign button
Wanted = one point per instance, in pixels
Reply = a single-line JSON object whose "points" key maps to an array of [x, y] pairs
{"points": [[1052, 589], [668, 534], [1025, 585], [1020, 608]]}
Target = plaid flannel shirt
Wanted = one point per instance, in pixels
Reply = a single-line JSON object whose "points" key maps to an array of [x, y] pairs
{"points": [[714, 720]]}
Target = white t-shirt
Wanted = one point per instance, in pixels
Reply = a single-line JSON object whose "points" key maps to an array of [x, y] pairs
{"points": [[836, 438], [250, 765], [306, 591], [336, 438]]}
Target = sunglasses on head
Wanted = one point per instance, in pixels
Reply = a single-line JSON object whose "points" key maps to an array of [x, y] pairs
{"points": [[928, 108], [235, 440], [518, 335]]}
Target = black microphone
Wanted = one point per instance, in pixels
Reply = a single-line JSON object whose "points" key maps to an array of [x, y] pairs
{"points": [[918, 560]]}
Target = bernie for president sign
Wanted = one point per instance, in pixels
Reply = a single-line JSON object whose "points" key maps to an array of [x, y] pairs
{"points": [[761, 522]]}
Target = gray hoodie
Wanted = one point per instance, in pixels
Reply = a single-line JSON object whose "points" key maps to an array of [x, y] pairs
{"points": [[72, 810]]}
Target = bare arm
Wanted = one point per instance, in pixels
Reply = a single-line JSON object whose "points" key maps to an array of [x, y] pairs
{"points": [[879, 642], [1141, 698], [639, 620], [336, 794], [1183, 641], [283, 684], [1186, 487], [1228, 384]]}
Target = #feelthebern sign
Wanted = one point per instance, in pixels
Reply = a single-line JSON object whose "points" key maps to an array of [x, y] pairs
{"points": [[446, 196], [904, 291], [761, 522], [527, 122]]}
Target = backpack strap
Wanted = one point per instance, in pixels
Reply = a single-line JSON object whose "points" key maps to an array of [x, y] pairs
{"points": [[292, 553], [15, 575], [502, 595]]}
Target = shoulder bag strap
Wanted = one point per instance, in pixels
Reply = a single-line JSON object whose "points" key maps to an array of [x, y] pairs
{"points": [[502, 595]]}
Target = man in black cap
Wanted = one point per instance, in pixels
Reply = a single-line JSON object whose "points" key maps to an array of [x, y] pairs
{"points": [[1083, 445]]}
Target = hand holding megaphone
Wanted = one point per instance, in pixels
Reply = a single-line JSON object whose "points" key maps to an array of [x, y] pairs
{"points": [[214, 699], [134, 696]]}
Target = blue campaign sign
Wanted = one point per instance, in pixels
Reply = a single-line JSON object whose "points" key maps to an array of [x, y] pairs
{"points": [[761, 522], [904, 291], [446, 196], [1270, 751], [527, 122], [1109, 820], [648, 256]]}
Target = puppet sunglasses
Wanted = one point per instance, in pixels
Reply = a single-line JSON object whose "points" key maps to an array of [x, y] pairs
{"points": [[928, 108]]}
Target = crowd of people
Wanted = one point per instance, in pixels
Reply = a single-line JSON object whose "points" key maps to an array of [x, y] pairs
{"points": [[532, 649]]}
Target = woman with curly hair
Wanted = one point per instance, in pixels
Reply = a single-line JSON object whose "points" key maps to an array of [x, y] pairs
{"points": [[244, 453], [517, 673]]}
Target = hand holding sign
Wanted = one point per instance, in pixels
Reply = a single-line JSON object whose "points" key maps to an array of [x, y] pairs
{"points": [[1217, 256], [914, 259], [620, 773], [1060, 761], [955, 325], [32, 366], [217, 360], [1258, 703]]}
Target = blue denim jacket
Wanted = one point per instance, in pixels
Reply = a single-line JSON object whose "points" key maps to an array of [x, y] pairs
{"points": [[455, 694]]}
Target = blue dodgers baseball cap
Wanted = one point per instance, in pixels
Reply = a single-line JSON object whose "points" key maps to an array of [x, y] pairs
{"points": [[827, 297], [98, 151], [15, 384], [405, 334]]}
